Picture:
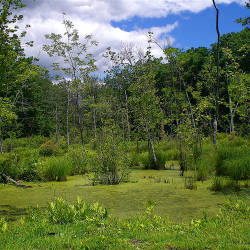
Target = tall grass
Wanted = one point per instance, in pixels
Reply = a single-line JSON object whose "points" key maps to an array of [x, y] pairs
{"points": [[55, 168], [233, 159]]}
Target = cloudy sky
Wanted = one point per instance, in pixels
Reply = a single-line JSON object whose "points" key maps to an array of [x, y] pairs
{"points": [[184, 23]]}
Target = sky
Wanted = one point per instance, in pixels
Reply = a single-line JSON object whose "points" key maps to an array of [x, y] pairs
{"points": [[180, 23]]}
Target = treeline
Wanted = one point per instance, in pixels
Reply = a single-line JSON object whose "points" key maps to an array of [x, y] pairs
{"points": [[140, 98]]}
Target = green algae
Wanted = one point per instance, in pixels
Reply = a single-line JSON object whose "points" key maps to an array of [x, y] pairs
{"points": [[164, 187]]}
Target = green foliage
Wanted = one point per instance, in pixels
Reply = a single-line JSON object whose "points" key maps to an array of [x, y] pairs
{"points": [[55, 168], [111, 163], [190, 183], [229, 229], [3, 225], [20, 164], [60, 212], [232, 158], [25, 142], [81, 161], [49, 148], [149, 163], [221, 184]]}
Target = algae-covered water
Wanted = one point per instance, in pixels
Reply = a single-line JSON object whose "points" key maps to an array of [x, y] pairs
{"points": [[165, 187]]}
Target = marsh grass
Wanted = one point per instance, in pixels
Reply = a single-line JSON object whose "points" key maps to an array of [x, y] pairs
{"points": [[55, 168], [222, 184], [233, 159]]}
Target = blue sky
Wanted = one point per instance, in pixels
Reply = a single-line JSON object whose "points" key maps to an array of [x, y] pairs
{"points": [[115, 23], [194, 29]]}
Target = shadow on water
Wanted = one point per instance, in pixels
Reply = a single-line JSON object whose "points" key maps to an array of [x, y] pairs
{"points": [[12, 213]]}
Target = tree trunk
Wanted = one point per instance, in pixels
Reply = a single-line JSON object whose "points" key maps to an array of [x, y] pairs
{"points": [[57, 126], [214, 132], [218, 75], [1, 141], [16, 183], [79, 122], [150, 142], [190, 106], [127, 116], [231, 115], [67, 117], [94, 120]]}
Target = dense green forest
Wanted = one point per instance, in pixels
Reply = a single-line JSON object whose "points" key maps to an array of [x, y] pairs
{"points": [[177, 123]]}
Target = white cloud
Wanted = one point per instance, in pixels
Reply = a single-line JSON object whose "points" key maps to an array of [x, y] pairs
{"points": [[95, 16]]}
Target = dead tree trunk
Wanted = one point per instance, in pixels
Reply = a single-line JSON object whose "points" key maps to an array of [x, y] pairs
{"points": [[16, 183], [218, 75], [67, 116]]}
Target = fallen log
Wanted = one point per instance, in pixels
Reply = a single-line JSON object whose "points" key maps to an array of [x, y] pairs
{"points": [[16, 183]]}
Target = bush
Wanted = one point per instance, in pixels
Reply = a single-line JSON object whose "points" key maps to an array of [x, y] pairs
{"points": [[172, 155], [9, 165], [60, 212], [3, 225], [49, 148], [55, 168], [20, 164], [80, 160], [30, 142], [111, 163]]}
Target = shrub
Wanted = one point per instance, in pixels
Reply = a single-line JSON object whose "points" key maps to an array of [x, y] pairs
{"points": [[60, 212], [3, 225], [80, 160], [9, 165], [55, 168], [172, 155], [30, 142], [49, 148], [147, 160], [20, 164], [111, 163]]}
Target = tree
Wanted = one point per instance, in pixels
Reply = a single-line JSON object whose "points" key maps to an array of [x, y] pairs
{"points": [[16, 70], [236, 86], [246, 20], [6, 117], [146, 109], [76, 64]]}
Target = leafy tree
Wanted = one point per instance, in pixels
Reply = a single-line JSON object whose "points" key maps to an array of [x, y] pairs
{"points": [[7, 116], [77, 64], [246, 20]]}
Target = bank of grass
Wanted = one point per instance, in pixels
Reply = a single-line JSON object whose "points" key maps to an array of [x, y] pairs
{"points": [[229, 229]]}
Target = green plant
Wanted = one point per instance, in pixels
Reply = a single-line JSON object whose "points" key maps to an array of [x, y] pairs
{"points": [[111, 164], [221, 184], [49, 148], [55, 168], [80, 160], [190, 183], [232, 159], [3, 225], [60, 212]]}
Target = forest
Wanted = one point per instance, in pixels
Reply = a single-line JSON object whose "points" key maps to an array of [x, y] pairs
{"points": [[90, 162]]}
